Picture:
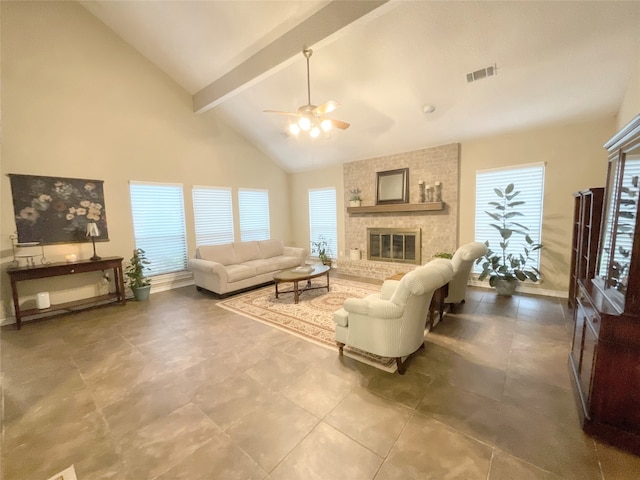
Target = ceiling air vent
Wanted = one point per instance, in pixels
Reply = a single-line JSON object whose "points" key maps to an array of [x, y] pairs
{"points": [[482, 73]]}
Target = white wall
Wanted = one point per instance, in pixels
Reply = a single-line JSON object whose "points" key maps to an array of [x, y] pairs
{"points": [[79, 102]]}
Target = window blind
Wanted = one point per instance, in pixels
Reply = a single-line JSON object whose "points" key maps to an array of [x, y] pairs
{"points": [[213, 215], [323, 218], [253, 208], [529, 180], [158, 224]]}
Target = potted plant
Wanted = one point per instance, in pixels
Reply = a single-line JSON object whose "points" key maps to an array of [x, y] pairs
{"points": [[139, 284], [354, 197], [504, 269], [321, 248]]}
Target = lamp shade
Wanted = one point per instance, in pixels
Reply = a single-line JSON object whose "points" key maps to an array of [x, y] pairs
{"points": [[92, 230]]}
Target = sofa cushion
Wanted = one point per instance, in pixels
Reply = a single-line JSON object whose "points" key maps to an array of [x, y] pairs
{"points": [[240, 272], [246, 251], [263, 265], [271, 248], [224, 254]]}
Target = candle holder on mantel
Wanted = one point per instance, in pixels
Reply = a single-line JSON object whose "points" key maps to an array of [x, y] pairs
{"points": [[423, 197], [438, 192]]}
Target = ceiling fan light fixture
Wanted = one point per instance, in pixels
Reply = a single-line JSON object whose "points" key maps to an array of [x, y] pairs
{"points": [[311, 117], [304, 123]]}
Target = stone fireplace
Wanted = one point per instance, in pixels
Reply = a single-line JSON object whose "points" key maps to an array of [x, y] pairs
{"points": [[400, 245], [438, 227]]}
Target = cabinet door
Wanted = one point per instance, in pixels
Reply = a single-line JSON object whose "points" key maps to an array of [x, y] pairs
{"points": [[589, 350], [578, 336]]}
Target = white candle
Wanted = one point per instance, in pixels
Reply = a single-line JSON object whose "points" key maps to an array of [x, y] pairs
{"points": [[71, 258]]}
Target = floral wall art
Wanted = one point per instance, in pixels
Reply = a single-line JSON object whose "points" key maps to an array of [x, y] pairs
{"points": [[56, 210]]}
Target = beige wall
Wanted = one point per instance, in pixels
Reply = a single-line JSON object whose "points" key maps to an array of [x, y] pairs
{"points": [[78, 102], [574, 160], [300, 185], [631, 103]]}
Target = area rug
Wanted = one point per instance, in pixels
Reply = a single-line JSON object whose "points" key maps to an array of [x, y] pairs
{"points": [[312, 317]]}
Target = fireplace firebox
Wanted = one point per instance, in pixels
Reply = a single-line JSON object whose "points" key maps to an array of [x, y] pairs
{"points": [[399, 245]]}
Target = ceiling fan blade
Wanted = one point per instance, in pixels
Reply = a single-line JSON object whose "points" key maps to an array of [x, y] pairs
{"points": [[282, 113], [327, 107], [339, 123]]}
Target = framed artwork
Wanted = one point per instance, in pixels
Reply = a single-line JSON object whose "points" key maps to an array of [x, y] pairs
{"points": [[52, 210], [392, 186]]}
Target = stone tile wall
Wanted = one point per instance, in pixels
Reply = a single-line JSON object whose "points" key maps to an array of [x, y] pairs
{"points": [[439, 228]]}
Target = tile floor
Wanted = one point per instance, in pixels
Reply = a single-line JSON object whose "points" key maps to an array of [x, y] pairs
{"points": [[177, 388]]}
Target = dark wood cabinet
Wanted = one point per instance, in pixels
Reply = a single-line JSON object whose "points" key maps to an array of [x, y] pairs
{"points": [[587, 215], [605, 356]]}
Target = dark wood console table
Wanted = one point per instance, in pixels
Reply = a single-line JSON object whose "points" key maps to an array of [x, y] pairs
{"points": [[20, 274]]}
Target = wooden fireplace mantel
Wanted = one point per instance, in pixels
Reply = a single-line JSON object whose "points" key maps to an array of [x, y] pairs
{"points": [[398, 208]]}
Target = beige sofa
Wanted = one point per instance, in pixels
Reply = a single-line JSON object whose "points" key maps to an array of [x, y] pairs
{"points": [[229, 268]]}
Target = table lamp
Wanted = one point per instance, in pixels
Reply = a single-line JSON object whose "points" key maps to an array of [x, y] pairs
{"points": [[93, 232]]}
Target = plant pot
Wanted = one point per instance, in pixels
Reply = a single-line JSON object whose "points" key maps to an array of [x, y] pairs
{"points": [[355, 203], [506, 288], [141, 293]]}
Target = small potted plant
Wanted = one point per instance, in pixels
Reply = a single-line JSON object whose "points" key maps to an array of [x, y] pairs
{"points": [[138, 282], [504, 269], [354, 197], [321, 248]]}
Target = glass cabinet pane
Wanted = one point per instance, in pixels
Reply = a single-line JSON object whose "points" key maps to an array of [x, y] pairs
{"points": [[625, 228], [608, 222]]}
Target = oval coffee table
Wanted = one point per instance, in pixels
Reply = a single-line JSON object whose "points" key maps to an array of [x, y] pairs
{"points": [[291, 275]]}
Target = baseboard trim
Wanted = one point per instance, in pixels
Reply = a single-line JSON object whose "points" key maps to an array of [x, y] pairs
{"points": [[525, 288]]}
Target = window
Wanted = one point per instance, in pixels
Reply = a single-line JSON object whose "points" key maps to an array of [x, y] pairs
{"points": [[213, 215], [322, 218], [158, 225], [253, 206], [529, 180]]}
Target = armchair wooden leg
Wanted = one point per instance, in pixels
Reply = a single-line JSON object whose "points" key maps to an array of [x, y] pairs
{"points": [[400, 365], [340, 347]]}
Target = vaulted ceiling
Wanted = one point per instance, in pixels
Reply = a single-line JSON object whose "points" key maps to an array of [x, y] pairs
{"points": [[383, 62]]}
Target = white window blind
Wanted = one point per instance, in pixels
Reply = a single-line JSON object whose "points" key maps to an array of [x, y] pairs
{"points": [[529, 180], [213, 215], [158, 225], [253, 208], [323, 218]]}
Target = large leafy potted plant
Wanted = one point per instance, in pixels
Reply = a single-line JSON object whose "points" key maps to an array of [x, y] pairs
{"points": [[321, 248], [505, 269], [138, 282]]}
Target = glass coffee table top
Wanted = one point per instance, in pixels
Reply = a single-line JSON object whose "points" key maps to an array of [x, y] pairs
{"points": [[290, 274]]}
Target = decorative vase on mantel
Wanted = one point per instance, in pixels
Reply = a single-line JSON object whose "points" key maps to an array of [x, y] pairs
{"points": [[355, 203]]}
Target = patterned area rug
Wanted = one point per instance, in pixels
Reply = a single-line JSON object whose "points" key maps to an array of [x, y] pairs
{"points": [[312, 317]]}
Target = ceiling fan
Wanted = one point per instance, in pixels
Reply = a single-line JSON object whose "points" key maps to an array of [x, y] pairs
{"points": [[313, 118]]}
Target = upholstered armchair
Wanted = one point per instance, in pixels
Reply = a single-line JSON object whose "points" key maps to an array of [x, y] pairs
{"points": [[392, 323], [462, 262]]}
